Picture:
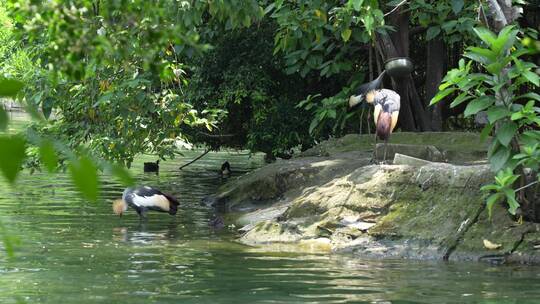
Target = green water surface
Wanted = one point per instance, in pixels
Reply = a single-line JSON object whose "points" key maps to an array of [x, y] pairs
{"points": [[72, 251]]}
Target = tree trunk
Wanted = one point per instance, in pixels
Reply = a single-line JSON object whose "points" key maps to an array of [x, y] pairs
{"points": [[435, 70], [413, 115]]}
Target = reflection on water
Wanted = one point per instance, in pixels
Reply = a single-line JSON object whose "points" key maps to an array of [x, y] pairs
{"points": [[74, 251]]}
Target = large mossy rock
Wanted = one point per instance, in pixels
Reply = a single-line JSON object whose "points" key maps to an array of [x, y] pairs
{"points": [[455, 147], [383, 211], [271, 182], [340, 201]]}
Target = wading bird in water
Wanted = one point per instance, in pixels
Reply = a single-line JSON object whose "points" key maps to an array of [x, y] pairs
{"points": [[225, 169], [143, 199], [386, 111], [151, 166]]}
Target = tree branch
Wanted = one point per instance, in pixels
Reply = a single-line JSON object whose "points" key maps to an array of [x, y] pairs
{"points": [[216, 135], [527, 186], [196, 159], [498, 12], [395, 8]]}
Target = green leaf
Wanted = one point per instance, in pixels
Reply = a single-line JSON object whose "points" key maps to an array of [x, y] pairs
{"points": [[488, 54], [432, 32], [448, 25], [84, 176], [492, 200], [47, 155], [517, 115], [490, 187], [46, 107], [122, 174], [10, 87], [506, 132], [441, 95], [10, 241], [346, 34], [499, 158], [314, 123], [496, 113], [532, 77], [461, 98], [486, 35], [357, 4], [477, 57], [478, 105], [513, 205], [457, 5], [530, 95], [485, 132], [505, 40], [12, 155], [4, 118], [269, 8]]}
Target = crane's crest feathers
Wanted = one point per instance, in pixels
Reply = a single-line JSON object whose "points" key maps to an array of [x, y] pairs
{"points": [[119, 206]]}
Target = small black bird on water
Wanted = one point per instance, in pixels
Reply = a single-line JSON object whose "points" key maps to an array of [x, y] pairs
{"points": [[225, 169], [143, 199], [386, 111], [151, 166]]}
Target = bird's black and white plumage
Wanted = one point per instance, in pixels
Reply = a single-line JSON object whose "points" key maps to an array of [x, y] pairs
{"points": [[386, 112], [145, 198], [386, 106]]}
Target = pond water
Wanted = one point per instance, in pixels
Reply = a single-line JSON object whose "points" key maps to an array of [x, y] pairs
{"points": [[72, 251]]}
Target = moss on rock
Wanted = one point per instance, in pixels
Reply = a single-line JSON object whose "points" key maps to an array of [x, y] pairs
{"points": [[341, 202]]}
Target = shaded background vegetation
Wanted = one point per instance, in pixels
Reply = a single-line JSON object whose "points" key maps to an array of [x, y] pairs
{"points": [[107, 80]]}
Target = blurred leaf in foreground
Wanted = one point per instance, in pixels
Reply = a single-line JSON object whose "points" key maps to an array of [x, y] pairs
{"points": [[12, 155]]}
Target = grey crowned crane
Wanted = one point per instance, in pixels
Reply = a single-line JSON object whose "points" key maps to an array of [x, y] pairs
{"points": [[143, 199], [386, 111]]}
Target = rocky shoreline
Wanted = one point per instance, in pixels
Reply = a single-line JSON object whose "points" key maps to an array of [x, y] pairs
{"points": [[332, 198]]}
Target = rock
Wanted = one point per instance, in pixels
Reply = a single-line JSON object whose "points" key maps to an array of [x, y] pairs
{"points": [[456, 147], [517, 241], [412, 209], [360, 225], [272, 182], [426, 152], [383, 211], [400, 159]]}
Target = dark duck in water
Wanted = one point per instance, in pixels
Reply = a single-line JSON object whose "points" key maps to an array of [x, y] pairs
{"points": [[143, 199], [151, 166], [386, 110], [225, 169]]}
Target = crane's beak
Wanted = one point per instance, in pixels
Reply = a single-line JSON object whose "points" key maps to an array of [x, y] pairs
{"points": [[355, 100]]}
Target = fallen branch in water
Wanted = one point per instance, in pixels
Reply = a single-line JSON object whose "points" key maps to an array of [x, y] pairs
{"points": [[196, 159], [216, 135]]}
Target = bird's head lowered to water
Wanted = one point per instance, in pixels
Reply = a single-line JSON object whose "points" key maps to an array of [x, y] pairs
{"points": [[119, 207], [366, 91]]}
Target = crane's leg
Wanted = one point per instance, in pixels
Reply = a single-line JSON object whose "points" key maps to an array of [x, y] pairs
{"points": [[374, 157], [142, 214], [385, 144]]}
